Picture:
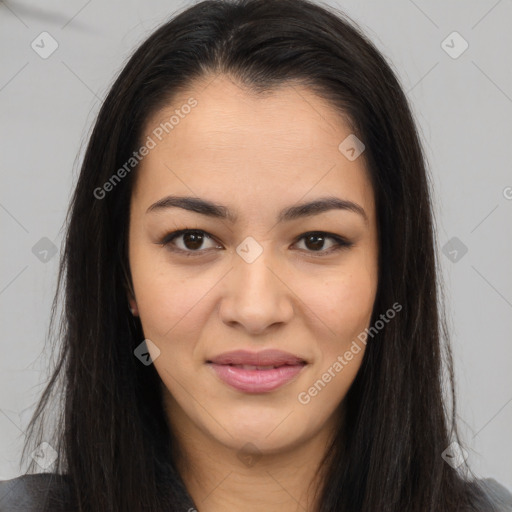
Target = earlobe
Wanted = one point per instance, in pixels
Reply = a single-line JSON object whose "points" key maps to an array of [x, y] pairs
{"points": [[133, 306]]}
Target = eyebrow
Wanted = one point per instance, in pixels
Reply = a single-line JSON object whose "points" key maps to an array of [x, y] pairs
{"points": [[212, 209]]}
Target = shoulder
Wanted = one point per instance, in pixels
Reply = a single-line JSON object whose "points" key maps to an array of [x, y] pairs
{"points": [[36, 492], [496, 497]]}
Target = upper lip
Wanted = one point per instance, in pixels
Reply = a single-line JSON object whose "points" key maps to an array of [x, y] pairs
{"points": [[263, 358]]}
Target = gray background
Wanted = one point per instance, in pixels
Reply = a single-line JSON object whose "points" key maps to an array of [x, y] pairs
{"points": [[464, 109]]}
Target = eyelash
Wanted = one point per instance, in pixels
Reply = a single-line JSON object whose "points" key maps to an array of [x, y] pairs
{"points": [[341, 243]]}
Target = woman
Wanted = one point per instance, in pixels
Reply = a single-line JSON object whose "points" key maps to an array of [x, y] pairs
{"points": [[251, 308]]}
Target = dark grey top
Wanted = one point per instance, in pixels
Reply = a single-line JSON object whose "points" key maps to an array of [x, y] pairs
{"points": [[48, 491], [35, 493]]}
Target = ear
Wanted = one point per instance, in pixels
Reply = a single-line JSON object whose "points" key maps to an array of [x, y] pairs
{"points": [[130, 294], [133, 306]]}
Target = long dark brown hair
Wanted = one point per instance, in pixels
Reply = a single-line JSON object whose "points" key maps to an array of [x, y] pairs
{"points": [[110, 429]]}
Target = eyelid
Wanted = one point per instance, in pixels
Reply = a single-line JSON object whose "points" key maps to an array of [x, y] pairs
{"points": [[340, 242]]}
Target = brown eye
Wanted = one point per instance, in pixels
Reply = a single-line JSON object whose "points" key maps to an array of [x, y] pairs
{"points": [[315, 242], [191, 241]]}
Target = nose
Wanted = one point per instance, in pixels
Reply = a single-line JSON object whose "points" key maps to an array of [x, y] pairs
{"points": [[257, 296]]}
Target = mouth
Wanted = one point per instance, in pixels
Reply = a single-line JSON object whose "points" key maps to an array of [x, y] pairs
{"points": [[257, 372]]}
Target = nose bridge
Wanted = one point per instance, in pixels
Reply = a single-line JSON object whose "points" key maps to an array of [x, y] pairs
{"points": [[254, 267], [256, 296]]}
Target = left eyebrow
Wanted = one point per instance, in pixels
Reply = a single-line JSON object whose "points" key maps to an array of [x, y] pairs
{"points": [[212, 209]]}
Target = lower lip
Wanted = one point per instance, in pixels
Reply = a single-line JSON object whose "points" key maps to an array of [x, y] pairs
{"points": [[256, 381]]}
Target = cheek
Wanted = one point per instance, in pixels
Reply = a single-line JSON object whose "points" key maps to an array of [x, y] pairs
{"points": [[172, 316], [168, 300], [344, 303]]}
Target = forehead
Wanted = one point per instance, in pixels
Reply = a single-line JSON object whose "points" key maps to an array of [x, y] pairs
{"points": [[280, 146], [230, 115]]}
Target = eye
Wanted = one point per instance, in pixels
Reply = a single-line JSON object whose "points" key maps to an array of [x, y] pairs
{"points": [[193, 239], [316, 240]]}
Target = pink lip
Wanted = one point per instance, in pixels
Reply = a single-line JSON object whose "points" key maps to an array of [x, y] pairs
{"points": [[257, 381], [263, 358]]}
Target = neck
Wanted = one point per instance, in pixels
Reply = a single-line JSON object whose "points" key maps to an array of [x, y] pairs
{"points": [[223, 479]]}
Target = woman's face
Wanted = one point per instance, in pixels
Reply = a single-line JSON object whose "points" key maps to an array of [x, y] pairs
{"points": [[253, 283]]}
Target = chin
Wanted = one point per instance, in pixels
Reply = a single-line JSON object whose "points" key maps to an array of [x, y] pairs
{"points": [[267, 435]]}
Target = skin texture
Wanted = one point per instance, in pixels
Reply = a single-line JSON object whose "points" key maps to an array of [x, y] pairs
{"points": [[256, 155]]}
